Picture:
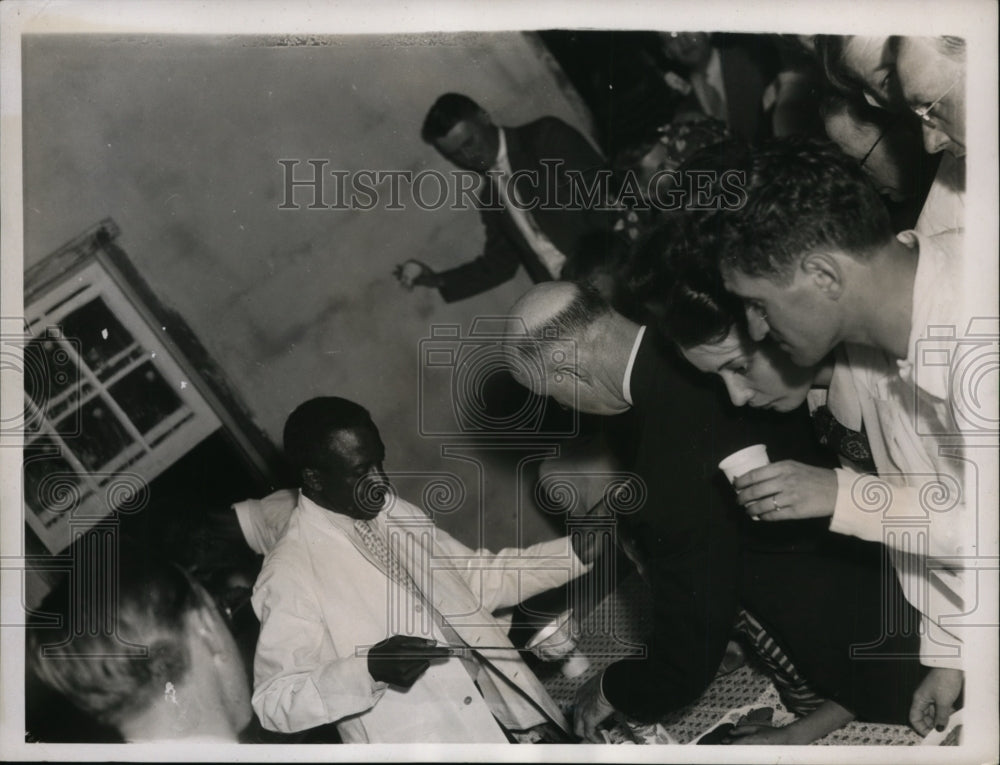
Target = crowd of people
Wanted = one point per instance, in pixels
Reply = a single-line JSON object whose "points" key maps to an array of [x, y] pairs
{"points": [[809, 269]]}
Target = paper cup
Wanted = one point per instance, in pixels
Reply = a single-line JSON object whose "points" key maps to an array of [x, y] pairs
{"points": [[556, 639], [742, 462]]}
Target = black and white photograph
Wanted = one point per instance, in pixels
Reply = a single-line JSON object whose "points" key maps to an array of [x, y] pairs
{"points": [[418, 381]]}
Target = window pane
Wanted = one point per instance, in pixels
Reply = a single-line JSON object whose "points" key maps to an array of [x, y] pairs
{"points": [[101, 437], [145, 397], [100, 334], [48, 370], [50, 483]]}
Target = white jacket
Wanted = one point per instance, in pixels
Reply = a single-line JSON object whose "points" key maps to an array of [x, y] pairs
{"points": [[322, 599]]}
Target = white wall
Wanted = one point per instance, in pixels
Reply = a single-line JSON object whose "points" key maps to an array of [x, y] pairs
{"points": [[178, 139]]}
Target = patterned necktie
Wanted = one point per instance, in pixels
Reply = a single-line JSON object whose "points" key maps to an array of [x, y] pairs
{"points": [[844, 441], [389, 562]]}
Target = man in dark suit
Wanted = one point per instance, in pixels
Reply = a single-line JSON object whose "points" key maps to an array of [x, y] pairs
{"points": [[729, 77], [532, 198]]}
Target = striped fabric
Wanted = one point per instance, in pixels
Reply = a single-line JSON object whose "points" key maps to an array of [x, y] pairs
{"points": [[795, 692]]}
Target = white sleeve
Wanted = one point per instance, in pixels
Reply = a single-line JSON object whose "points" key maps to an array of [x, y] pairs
{"points": [[513, 574], [868, 506], [299, 681]]}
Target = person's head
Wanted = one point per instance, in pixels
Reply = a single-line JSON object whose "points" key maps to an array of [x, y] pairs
{"points": [[165, 667], [860, 66], [462, 132], [931, 72], [335, 449], [551, 346], [686, 302], [886, 145], [812, 219], [689, 49]]}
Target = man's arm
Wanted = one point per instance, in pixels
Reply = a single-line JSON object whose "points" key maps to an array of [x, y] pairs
{"points": [[695, 602], [854, 514], [861, 505], [514, 574], [299, 680], [497, 264]]}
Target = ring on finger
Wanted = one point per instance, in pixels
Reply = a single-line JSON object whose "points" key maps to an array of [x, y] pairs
{"points": [[774, 502]]}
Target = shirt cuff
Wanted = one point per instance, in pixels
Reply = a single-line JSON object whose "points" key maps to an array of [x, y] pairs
{"points": [[935, 640], [347, 680], [848, 517]]}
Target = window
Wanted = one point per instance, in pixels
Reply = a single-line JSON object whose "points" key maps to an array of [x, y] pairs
{"points": [[107, 407]]}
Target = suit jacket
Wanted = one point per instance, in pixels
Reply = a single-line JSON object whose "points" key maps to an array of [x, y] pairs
{"points": [[568, 227], [749, 64], [321, 595]]}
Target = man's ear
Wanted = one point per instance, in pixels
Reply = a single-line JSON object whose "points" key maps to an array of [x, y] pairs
{"points": [[572, 371], [826, 272]]}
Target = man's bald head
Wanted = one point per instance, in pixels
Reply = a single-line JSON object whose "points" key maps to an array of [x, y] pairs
{"points": [[558, 310], [554, 345]]}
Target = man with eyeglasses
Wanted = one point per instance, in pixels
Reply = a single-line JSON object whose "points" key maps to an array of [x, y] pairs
{"points": [[931, 72], [887, 147], [931, 75], [920, 75]]}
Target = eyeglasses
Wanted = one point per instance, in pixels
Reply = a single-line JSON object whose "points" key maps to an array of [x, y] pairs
{"points": [[924, 112], [878, 140], [882, 134]]}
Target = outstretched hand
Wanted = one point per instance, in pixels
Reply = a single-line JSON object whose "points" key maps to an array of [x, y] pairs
{"points": [[401, 659], [787, 490], [414, 273]]}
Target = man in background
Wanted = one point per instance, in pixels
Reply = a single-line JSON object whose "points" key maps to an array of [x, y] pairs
{"points": [[525, 197]]}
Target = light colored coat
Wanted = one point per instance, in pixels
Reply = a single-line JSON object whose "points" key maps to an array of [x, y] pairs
{"points": [[322, 599]]}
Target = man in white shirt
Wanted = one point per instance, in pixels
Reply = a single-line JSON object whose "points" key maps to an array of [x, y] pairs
{"points": [[374, 619], [815, 260]]}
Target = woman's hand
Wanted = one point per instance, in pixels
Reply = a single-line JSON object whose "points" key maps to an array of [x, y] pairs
{"points": [[787, 490]]}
